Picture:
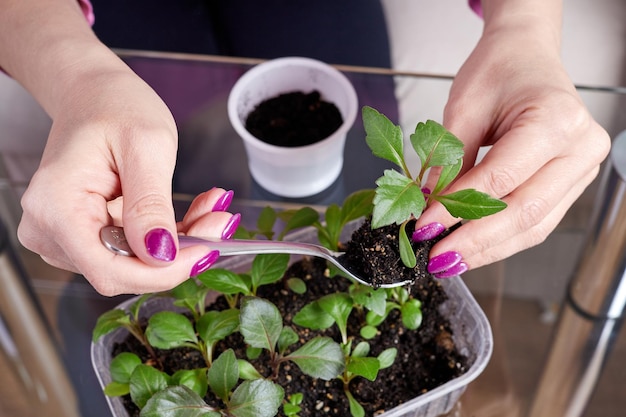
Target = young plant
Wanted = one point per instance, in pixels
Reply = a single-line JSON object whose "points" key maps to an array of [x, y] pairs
{"points": [[336, 309], [262, 328], [116, 318], [251, 398], [400, 196], [266, 269]]}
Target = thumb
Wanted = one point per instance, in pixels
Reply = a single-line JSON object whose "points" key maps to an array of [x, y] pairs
{"points": [[148, 213]]}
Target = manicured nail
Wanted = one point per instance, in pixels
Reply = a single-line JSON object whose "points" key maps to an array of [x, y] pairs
{"points": [[160, 245], [427, 232], [224, 201], [425, 190], [457, 269], [231, 227], [443, 262], [205, 263]]}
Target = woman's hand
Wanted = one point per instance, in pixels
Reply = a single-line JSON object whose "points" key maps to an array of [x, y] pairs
{"points": [[110, 158], [513, 93]]}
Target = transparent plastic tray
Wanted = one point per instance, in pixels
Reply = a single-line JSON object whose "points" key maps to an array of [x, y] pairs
{"points": [[471, 333]]}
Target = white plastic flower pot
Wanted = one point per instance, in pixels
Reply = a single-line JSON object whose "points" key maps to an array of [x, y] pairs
{"points": [[293, 171]]}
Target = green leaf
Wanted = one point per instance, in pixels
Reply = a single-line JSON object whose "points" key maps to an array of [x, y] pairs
{"points": [[257, 398], [216, 325], [287, 338], [332, 228], [296, 398], [261, 323], [266, 221], [470, 204], [374, 319], [387, 357], [383, 137], [168, 330], [435, 145], [291, 409], [411, 312], [224, 281], [356, 205], [361, 350], [116, 389], [407, 254], [122, 367], [109, 321], [296, 285], [178, 401], [247, 370], [320, 357], [185, 290], [338, 306], [368, 332], [145, 382], [136, 306], [447, 175], [377, 301], [253, 353], [313, 317], [223, 374], [366, 367], [356, 409], [303, 217], [195, 379], [268, 268], [397, 199]]}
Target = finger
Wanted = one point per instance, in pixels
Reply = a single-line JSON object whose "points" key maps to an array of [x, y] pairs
{"points": [[214, 225], [133, 276], [214, 200], [145, 172]]}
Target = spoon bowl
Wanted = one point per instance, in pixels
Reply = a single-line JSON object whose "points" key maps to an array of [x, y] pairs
{"points": [[114, 239]]}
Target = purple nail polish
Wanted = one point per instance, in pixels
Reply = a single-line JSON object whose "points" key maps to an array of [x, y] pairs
{"points": [[425, 190], [457, 269], [204, 263], [160, 245], [443, 262], [430, 231], [224, 201], [231, 227]]}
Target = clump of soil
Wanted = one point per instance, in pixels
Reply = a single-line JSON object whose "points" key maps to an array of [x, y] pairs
{"points": [[374, 253], [294, 119], [426, 357]]}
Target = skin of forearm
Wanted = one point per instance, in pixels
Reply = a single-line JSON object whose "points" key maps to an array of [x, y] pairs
{"points": [[49, 48], [540, 18]]}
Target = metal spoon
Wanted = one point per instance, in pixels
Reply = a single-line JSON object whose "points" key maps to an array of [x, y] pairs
{"points": [[114, 239]]}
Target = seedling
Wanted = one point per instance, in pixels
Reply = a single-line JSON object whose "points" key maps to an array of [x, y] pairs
{"points": [[399, 195]]}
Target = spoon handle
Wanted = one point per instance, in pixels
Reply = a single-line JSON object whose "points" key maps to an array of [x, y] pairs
{"points": [[114, 239]]}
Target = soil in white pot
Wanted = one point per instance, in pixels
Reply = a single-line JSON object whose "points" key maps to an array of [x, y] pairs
{"points": [[294, 119]]}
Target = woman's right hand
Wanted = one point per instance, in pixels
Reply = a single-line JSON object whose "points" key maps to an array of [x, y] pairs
{"points": [[114, 140]]}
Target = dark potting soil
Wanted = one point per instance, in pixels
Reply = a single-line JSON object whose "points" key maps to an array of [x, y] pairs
{"points": [[426, 357], [294, 119], [374, 253]]}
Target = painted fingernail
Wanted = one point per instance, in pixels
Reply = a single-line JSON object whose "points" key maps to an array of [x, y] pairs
{"points": [[224, 201], [231, 227], [427, 232], [457, 269], [425, 190], [205, 263], [443, 262], [160, 245]]}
